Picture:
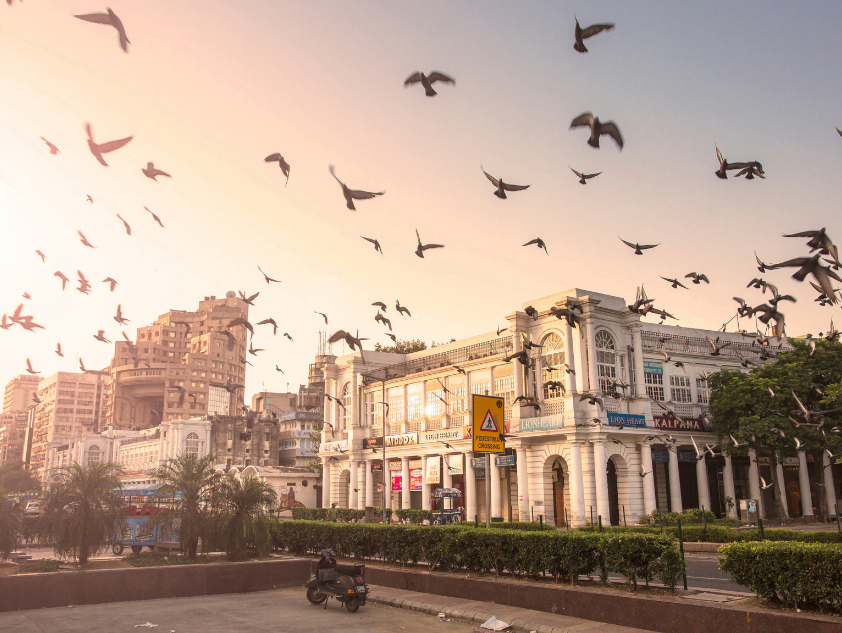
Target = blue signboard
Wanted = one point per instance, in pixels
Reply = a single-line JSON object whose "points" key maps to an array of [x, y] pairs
{"points": [[686, 456], [653, 367], [478, 462], [479, 473], [627, 419], [505, 460], [660, 456], [541, 424]]}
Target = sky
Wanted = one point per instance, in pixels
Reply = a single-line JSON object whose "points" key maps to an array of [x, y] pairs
{"points": [[208, 89]]}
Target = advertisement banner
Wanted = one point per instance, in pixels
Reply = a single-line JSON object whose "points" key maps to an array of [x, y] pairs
{"points": [[396, 483], [373, 442], [433, 470], [402, 440], [415, 480], [454, 464]]}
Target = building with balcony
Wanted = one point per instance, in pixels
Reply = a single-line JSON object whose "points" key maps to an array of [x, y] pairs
{"points": [[570, 461], [298, 438], [18, 393], [12, 433]]}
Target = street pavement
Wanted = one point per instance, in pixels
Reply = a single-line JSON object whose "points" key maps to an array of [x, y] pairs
{"points": [[284, 610]]}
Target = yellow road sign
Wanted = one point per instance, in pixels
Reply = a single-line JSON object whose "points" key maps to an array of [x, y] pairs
{"points": [[488, 424]]}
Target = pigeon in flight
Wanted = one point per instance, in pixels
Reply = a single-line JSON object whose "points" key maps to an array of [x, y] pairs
{"points": [[500, 331], [109, 280], [539, 243], [582, 34], [697, 278], [502, 187], [638, 248], [253, 351], [323, 315], [5, 324], [89, 199], [42, 256], [84, 239], [716, 345], [100, 336], [819, 240], [245, 323], [152, 172], [125, 224], [393, 337], [58, 350], [725, 166], [119, 316], [53, 149], [751, 170], [401, 309], [283, 164], [811, 266], [286, 334], [598, 128], [26, 295], [279, 369], [98, 149], [583, 178], [428, 81], [267, 277], [248, 300], [353, 342], [380, 305], [761, 266], [109, 19], [375, 242], [156, 218], [29, 367], [84, 284], [423, 247], [675, 283], [381, 319], [353, 194]]}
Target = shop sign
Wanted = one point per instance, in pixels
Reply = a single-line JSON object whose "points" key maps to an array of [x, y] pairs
{"points": [[335, 447], [660, 456], [300, 415], [433, 470], [790, 461], [763, 461], [686, 456], [467, 432], [506, 460], [627, 419], [396, 483], [415, 479], [305, 434], [454, 464], [373, 442], [377, 468], [402, 440], [440, 436], [479, 473], [478, 462], [395, 465], [541, 424], [653, 367], [685, 424]]}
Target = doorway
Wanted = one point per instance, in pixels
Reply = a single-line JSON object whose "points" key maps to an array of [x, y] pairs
{"points": [[613, 494], [558, 493]]}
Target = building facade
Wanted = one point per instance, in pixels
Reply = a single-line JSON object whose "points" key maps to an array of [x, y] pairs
{"points": [[19, 392], [184, 365], [298, 439], [295, 487], [241, 441], [270, 403], [12, 434], [573, 461]]}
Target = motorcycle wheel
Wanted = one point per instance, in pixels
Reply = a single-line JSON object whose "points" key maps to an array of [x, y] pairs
{"points": [[352, 604], [315, 596]]}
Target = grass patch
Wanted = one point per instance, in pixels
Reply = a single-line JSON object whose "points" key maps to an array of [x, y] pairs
{"points": [[162, 559], [39, 566]]}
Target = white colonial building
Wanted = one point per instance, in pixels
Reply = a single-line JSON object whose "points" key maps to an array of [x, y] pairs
{"points": [[302, 483], [137, 452], [561, 463]]}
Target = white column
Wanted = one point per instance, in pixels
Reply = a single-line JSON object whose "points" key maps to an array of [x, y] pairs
{"points": [[570, 379], [446, 477], [470, 488], [492, 474], [405, 504], [326, 483], [355, 405], [425, 485], [804, 486], [522, 484], [593, 383], [675, 482], [353, 484], [639, 382], [728, 481], [361, 483], [369, 485], [518, 371], [649, 503], [601, 480], [780, 489], [829, 487], [577, 486], [754, 482], [702, 483]]}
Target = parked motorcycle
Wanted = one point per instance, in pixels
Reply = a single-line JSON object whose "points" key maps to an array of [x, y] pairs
{"points": [[346, 583]]}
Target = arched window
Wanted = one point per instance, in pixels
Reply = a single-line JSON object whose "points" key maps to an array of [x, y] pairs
{"points": [[606, 361], [93, 454], [552, 364], [345, 398], [191, 445]]}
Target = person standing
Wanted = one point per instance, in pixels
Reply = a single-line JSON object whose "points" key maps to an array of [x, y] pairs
{"points": [[332, 512]]}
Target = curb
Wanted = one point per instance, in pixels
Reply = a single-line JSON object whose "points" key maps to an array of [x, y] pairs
{"points": [[458, 614]]}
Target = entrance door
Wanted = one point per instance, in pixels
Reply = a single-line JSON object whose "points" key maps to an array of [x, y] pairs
{"points": [[558, 494], [613, 495]]}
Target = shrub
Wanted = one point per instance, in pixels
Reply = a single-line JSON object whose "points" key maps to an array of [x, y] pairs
{"points": [[39, 566], [797, 574]]}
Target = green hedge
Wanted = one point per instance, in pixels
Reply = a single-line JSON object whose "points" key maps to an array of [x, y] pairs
{"points": [[797, 574], [720, 534], [564, 555]]}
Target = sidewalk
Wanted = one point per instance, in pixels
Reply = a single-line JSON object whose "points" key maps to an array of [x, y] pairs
{"points": [[521, 620]]}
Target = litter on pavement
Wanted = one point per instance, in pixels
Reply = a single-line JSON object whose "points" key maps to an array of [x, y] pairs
{"points": [[145, 625], [493, 624]]}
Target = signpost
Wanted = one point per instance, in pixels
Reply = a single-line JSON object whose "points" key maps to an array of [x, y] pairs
{"points": [[488, 437]]}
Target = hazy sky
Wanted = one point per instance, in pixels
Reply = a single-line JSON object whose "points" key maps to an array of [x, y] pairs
{"points": [[210, 88]]}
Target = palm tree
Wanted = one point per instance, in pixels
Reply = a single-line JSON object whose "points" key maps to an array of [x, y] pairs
{"points": [[10, 522], [193, 481], [245, 503], [86, 510]]}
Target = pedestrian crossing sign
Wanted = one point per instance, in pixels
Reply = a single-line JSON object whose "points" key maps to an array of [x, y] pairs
{"points": [[488, 423]]}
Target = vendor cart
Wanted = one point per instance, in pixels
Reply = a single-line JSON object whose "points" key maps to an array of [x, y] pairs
{"points": [[445, 516], [142, 502]]}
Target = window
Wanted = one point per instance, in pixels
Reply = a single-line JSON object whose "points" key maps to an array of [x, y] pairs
{"points": [[457, 399], [505, 388], [344, 410], [191, 445], [654, 386], [552, 364], [606, 362], [230, 435], [435, 403], [415, 402], [395, 413], [703, 391], [93, 454], [680, 389], [266, 436]]}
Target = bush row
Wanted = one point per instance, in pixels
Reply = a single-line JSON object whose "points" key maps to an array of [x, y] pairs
{"points": [[719, 534], [796, 574], [562, 555]]}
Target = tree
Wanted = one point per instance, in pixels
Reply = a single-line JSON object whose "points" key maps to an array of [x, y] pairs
{"points": [[10, 523], [245, 503], [14, 478], [402, 346], [742, 405], [193, 481], [85, 511]]}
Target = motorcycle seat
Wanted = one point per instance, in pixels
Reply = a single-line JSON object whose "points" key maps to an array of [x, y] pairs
{"points": [[350, 570]]}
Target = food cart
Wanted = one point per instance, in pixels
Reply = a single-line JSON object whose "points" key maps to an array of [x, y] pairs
{"points": [[445, 516], [142, 502]]}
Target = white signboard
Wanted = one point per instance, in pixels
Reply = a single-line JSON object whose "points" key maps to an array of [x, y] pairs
{"points": [[442, 435], [434, 470], [335, 447], [402, 440], [454, 463]]}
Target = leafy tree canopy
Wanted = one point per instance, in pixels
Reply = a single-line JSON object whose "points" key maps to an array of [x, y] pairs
{"points": [[407, 346], [14, 478]]}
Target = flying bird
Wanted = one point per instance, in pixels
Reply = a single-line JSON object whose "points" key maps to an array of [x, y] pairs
{"points": [[502, 187], [423, 247], [5, 324], [598, 129], [582, 34], [500, 331], [119, 316], [152, 172], [697, 278], [401, 309], [279, 369], [41, 255], [84, 239], [109, 19], [764, 485], [245, 323], [751, 170], [89, 199], [53, 149], [638, 248], [539, 243], [380, 305], [811, 266], [592, 400], [98, 149], [125, 224], [100, 336], [675, 283], [354, 342], [29, 367], [267, 277], [248, 300], [281, 162], [84, 284], [353, 194], [381, 319], [286, 334], [112, 282], [428, 81], [323, 315], [26, 295], [716, 345], [253, 351], [375, 242], [819, 240], [156, 218], [393, 337], [58, 350], [583, 178]]}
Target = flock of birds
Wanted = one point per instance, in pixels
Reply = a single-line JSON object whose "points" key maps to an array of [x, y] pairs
{"points": [[820, 264]]}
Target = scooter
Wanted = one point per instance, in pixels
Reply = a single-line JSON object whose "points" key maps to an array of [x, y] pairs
{"points": [[346, 583]]}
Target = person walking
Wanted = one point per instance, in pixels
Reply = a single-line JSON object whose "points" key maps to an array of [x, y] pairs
{"points": [[332, 512]]}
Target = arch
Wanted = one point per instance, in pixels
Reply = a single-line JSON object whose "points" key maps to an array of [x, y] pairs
{"points": [[344, 489], [93, 454], [191, 444], [621, 499], [250, 471], [553, 358], [345, 399], [541, 478]]}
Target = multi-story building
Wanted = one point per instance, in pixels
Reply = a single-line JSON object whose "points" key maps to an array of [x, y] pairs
{"points": [[240, 441], [298, 439], [311, 396], [572, 458], [184, 365], [269, 403], [19, 392], [12, 432]]}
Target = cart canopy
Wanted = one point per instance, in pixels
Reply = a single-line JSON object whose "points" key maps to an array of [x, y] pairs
{"points": [[446, 493]]}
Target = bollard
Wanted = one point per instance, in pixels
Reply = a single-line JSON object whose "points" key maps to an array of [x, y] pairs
{"points": [[837, 518], [760, 527], [624, 517], [566, 520], [681, 546], [541, 519], [476, 520], [600, 523], [705, 524], [591, 516]]}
